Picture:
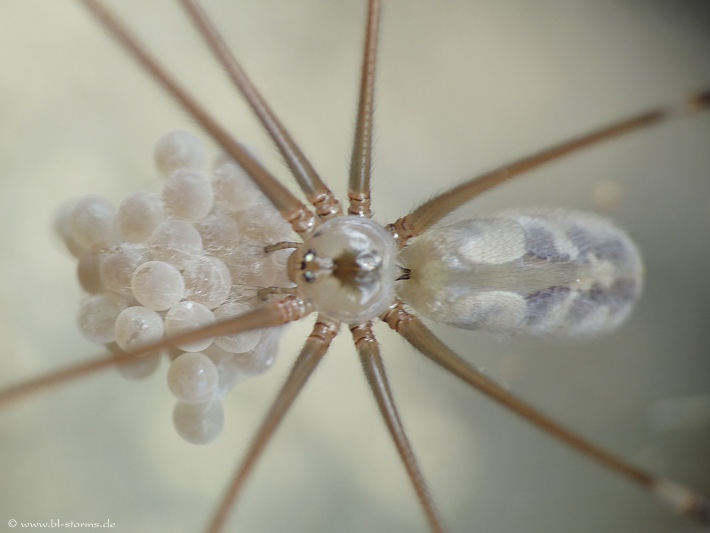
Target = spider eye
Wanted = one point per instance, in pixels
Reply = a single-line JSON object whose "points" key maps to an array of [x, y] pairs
{"points": [[309, 276]]}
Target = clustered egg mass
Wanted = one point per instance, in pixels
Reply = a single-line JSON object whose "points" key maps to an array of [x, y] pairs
{"points": [[168, 262]]}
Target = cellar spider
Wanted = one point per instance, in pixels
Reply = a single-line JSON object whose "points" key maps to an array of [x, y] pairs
{"points": [[666, 329]]}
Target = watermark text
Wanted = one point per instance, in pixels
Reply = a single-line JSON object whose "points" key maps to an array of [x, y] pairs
{"points": [[56, 523]]}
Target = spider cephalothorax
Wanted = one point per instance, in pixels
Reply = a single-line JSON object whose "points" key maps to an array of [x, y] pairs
{"points": [[347, 269]]}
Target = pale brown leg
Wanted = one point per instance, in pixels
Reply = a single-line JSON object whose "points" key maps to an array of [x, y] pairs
{"points": [[277, 313], [361, 161], [317, 192], [313, 351], [681, 499], [429, 213], [292, 210], [375, 372]]}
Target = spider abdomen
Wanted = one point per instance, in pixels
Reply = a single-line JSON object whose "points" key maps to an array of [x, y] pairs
{"points": [[534, 272]]}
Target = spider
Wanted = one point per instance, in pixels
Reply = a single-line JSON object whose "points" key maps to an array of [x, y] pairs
{"points": [[462, 345]]}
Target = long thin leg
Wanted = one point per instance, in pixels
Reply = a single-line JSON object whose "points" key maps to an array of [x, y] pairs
{"points": [[374, 368], [313, 351], [427, 214], [278, 313], [317, 192], [361, 161], [292, 210], [681, 499]]}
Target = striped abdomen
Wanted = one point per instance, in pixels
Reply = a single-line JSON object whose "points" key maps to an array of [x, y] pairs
{"points": [[534, 271]]}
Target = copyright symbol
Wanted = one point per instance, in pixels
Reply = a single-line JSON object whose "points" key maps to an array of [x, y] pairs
{"points": [[12, 522]]}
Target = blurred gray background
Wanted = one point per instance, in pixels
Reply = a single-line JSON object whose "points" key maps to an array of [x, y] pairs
{"points": [[463, 87]]}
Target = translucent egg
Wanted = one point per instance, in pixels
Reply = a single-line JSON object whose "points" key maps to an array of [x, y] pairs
{"points": [[239, 342], [179, 149], [217, 354], [157, 285], [62, 228], [199, 423], [87, 270], [138, 326], [250, 266], [117, 266], [92, 221], [98, 314], [138, 215], [207, 281], [188, 195], [262, 223], [136, 369], [193, 378], [175, 242], [141, 368], [187, 316], [228, 369], [230, 374], [234, 190], [219, 232], [261, 357]]}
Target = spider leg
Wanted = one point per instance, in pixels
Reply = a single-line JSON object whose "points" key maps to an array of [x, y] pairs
{"points": [[374, 369], [313, 351], [361, 160], [291, 209], [679, 498], [316, 191], [430, 212], [277, 313]]}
